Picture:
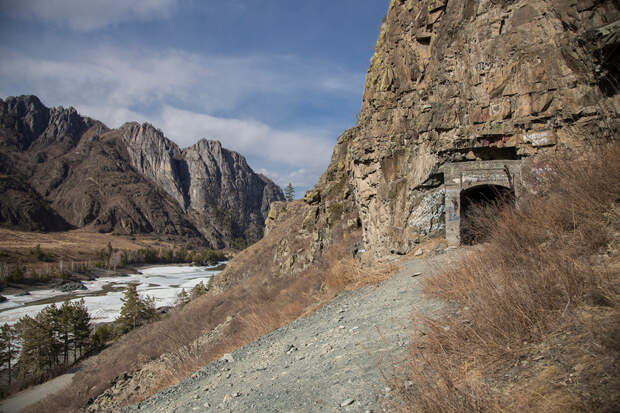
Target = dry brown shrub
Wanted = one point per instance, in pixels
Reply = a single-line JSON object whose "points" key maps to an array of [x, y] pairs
{"points": [[342, 271], [537, 324], [250, 299]]}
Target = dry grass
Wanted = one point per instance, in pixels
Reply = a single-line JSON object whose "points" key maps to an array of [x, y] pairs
{"points": [[250, 299], [344, 272], [537, 326], [76, 245]]}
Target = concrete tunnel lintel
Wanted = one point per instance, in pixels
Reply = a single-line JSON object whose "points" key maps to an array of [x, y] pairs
{"points": [[460, 176]]}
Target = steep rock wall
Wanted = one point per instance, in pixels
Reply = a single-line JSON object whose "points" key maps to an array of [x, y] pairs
{"points": [[450, 81], [223, 196], [467, 80]]}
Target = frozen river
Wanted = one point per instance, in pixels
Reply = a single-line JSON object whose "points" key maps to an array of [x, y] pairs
{"points": [[103, 296]]}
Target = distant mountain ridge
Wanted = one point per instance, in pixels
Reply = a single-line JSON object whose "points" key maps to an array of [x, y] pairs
{"points": [[60, 170]]}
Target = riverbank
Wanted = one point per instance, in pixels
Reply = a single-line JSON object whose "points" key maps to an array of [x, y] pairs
{"points": [[103, 293]]}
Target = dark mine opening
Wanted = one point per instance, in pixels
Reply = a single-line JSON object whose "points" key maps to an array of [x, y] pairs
{"points": [[474, 203]]}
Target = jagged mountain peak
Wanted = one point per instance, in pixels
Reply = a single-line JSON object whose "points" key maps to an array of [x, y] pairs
{"points": [[130, 179]]}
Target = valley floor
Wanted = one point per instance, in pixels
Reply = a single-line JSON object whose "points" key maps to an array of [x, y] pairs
{"points": [[331, 360]]}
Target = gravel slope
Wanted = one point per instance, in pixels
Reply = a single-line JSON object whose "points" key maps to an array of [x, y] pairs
{"points": [[327, 361]]}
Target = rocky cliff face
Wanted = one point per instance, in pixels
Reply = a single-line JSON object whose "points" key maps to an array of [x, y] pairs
{"points": [[206, 180], [451, 81], [64, 171], [458, 81]]}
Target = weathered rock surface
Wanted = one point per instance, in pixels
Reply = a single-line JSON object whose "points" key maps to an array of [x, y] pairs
{"points": [[465, 81], [451, 81], [62, 170], [208, 181], [458, 81]]}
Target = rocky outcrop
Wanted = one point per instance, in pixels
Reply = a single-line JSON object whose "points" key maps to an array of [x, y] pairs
{"points": [[465, 81], [208, 181], [458, 81], [65, 170], [451, 81]]}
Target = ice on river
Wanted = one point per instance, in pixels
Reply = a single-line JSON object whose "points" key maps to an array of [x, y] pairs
{"points": [[163, 283]]}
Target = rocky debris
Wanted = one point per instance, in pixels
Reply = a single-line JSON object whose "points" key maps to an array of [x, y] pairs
{"points": [[347, 402], [311, 364], [126, 388], [228, 358], [72, 286], [3, 299], [62, 171]]}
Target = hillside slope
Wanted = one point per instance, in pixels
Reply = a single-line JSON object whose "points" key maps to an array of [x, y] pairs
{"points": [[451, 81], [334, 356], [75, 172]]}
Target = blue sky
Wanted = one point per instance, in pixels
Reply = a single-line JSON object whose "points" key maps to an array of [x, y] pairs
{"points": [[276, 80]]}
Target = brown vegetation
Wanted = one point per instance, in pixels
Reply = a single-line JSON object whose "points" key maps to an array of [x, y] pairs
{"points": [[246, 302], [538, 306], [40, 258], [77, 246]]}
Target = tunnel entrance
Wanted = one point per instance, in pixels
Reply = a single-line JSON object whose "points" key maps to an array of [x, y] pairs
{"points": [[473, 201]]}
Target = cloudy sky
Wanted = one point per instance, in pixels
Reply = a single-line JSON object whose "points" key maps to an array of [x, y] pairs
{"points": [[276, 80]]}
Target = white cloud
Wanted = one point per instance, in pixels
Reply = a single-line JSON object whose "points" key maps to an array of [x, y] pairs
{"points": [[311, 149], [130, 77], [87, 15], [190, 96]]}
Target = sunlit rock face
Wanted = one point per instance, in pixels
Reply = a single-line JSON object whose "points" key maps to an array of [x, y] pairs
{"points": [[223, 196], [466, 81], [462, 81]]}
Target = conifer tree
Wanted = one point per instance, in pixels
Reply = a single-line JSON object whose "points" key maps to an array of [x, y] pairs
{"points": [[49, 318], [80, 325], [198, 290], [182, 297], [52, 333], [8, 347], [135, 310], [128, 319], [39, 346], [289, 192], [65, 313]]}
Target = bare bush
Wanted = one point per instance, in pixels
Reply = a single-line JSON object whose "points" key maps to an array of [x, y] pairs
{"points": [[536, 328]]}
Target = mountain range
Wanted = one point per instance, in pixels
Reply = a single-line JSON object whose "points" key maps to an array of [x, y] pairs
{"points": [[60, 170]]}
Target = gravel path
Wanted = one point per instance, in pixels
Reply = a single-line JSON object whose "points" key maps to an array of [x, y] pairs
{"points": [[327, 361], [25, 398]]}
